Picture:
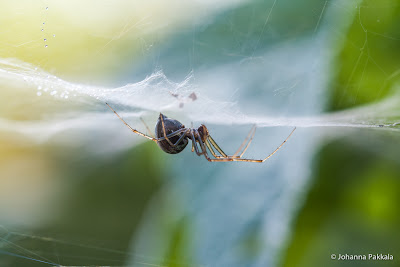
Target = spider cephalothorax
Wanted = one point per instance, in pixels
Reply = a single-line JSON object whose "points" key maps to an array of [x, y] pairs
{"points": [[203, 132], [172, 137]]}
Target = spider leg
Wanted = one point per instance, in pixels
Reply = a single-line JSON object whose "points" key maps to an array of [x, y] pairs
{"points": [[172, 135], [133, 130], [287, 138], [234, 159], [163, 126], [209, 146], [193, 140], [191, 126], [251, 136], [231, 158], [218, 158], [147, 136], [181, 137], [212, 143], [194, 145], [147, 127], [216, 146], [204, 151]]}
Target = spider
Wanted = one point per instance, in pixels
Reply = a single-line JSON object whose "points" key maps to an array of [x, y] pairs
{"points": [[172, 137]]}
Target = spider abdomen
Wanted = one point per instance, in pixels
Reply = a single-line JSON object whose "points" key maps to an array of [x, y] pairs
{"points": [[170, 126]]}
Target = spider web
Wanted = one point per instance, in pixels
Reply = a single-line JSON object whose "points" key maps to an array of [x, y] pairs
{"points": [[218, 100], [222, 85]]}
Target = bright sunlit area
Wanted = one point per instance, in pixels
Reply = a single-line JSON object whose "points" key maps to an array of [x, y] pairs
{"points": [[244, 133]]}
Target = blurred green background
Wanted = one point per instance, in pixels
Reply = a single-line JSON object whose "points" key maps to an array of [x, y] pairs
{"points": [[352, 206], [64, 204]]}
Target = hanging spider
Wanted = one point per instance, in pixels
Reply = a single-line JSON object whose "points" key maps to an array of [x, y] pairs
{"points": [[172, 137]]}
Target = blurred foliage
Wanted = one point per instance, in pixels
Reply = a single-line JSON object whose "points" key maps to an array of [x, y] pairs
{"points": [[179, 248], [243, 31], [106, 200], [248, 30], [352, 207], [368, 63]]}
